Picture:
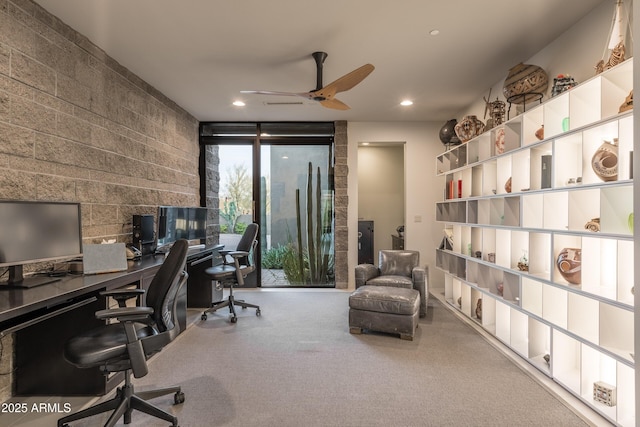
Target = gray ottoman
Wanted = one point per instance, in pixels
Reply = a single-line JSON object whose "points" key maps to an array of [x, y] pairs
{"points": [[384, 309]]}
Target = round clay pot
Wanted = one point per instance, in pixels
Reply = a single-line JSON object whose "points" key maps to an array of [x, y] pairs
{"points": [[525, 83], [448, 133], [605, 161], [468, 128], [569, 263]]}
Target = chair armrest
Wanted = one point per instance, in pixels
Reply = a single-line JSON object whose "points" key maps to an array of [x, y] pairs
{"points": [[233, 254], [128, 316], [419, 277], [238, 254], [365, 272], [122, 295], [125, 314]]}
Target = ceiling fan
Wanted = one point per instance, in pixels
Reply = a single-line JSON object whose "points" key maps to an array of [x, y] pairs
{"points": [[325, 95]]}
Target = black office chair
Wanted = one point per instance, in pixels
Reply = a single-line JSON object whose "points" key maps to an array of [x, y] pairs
{"points": [[235, 267], [133, 336]]}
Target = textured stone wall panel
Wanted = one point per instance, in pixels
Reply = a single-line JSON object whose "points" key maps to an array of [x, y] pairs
{"points": [[77, 125]]}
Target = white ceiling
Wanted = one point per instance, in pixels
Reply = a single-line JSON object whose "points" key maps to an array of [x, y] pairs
{"points": [[202, 53]]}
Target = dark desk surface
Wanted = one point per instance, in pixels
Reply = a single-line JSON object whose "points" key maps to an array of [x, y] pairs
{"points": [[19, 303]]}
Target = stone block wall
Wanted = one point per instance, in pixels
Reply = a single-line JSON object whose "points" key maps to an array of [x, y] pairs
{"points": [[75, 125]]}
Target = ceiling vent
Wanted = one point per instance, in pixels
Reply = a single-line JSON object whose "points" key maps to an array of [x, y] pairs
{"points": [[284, 103]]}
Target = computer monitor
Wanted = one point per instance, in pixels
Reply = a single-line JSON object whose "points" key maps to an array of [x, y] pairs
{"points": [[35, 231], [177, 222], [198, 223], [172, 225]]}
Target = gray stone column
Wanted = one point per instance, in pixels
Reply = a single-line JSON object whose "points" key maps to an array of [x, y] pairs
{"points": [[341, 204]]}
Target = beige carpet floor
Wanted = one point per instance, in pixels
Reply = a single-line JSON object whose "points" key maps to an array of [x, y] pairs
{"points": [[297, 365]]}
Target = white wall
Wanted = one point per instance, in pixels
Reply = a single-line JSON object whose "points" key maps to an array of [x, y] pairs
{"points": [[381, 192], [422, 187], [575, 52]]}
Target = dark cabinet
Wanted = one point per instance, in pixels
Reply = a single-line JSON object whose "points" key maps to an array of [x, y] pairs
{"points": [[201, 290], [365, 242]]}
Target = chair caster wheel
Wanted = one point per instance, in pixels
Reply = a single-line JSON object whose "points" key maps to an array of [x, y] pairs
{"points": [[203, 317], [233, 319], [178, 398], [258, 312]]}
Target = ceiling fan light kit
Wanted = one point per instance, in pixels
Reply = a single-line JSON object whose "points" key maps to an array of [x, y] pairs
{"points": [[325, 95]]}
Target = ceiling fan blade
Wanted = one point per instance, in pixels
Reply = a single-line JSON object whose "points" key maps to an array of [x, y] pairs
{"points": [[334, 104], [326, 95], [349, 80]]}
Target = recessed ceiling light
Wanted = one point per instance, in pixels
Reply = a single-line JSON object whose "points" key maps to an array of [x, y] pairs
{"points": [[365, 143], [406, 103], [434, 32], [238, 103]]}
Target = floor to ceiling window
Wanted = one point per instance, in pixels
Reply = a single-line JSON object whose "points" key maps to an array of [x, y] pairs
{"points": [[279, 175]]}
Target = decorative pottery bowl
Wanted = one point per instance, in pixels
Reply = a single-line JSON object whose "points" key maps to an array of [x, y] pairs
{"points": [[569, 263], [525, 83], [468, 128], [605, 161], [562, 83]]}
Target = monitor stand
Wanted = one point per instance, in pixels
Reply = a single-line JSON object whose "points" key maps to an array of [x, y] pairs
{"points": [[18, 281]]}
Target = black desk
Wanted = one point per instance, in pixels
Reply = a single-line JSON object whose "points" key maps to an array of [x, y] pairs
{"points": [[43, 318]]}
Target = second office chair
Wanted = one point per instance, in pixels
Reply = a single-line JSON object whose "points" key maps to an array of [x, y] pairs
{"points": [[236, 266]]}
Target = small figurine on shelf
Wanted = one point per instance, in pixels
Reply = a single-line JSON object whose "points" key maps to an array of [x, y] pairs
{"points": [[496, 110], [616, 40], [628, 103], [593, 225], [523, 263]]}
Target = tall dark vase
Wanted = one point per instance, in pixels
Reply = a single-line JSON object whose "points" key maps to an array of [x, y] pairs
{"points": [[448, 133]]}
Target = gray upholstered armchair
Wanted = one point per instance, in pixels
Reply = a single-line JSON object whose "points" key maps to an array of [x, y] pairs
{"points": [[398, 268]]}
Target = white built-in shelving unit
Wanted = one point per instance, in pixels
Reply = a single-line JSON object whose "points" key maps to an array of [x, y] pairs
{"points": [[577, 334]]}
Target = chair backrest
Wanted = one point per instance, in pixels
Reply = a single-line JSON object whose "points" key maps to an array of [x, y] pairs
{"points": [[398, 262], [163, 290], [248, 243]]}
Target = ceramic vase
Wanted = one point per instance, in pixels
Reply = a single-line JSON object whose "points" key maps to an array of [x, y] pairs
{"points": [[525, 83], [569, 263], [562, 83], [605, 161], [507, 185], [499, 141], [468, 128], [448, 133]]}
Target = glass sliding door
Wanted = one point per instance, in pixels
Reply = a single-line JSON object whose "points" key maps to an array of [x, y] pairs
{"points": [[236, 200], [279, 175], [297, 215]]}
